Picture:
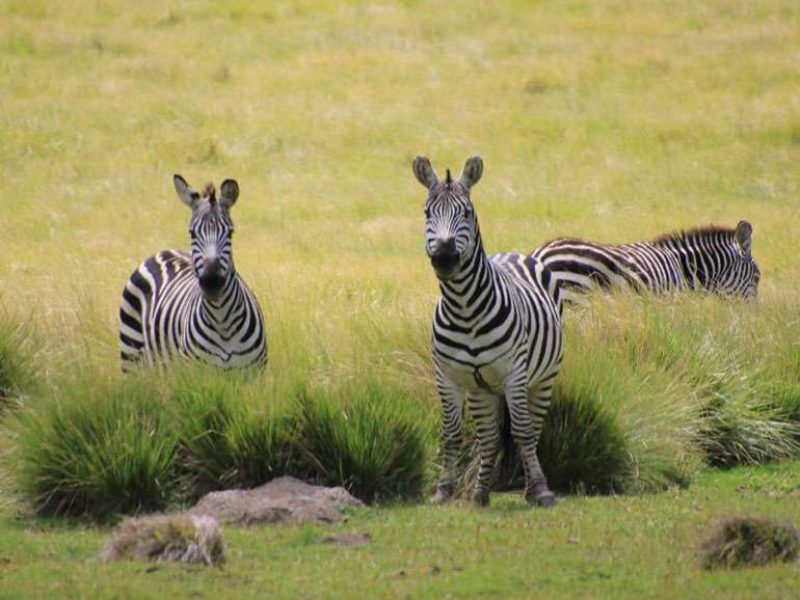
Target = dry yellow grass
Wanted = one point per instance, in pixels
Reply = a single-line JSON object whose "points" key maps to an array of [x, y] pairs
{"points": [[611, 120]]}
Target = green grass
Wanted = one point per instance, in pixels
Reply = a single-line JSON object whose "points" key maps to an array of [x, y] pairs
{"points": [[20, 359], [367, 438], [702, 369], [611, 120], [153, 441], [620, 547], [225, 441], [97, 449]]}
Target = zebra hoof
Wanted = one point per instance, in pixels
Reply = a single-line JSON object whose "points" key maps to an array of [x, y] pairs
{"points": [[440, 497], [546, 500]]}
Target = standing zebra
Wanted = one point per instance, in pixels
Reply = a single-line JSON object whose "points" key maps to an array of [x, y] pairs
{"points": [[194, 305], [709, 259], [496, 337]]}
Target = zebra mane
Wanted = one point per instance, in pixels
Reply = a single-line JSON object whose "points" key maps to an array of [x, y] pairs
{"points": [[706, 231], [211, 193]]}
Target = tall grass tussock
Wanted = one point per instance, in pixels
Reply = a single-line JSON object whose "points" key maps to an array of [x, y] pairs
{"points": [[20, 346], [149, 440], [368, 438], [705, 369], [97, 447], [230, 436]]}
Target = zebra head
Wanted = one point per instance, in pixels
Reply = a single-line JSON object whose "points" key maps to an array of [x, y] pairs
{"points": [[451, 227], [742, 274], [211, 229]]}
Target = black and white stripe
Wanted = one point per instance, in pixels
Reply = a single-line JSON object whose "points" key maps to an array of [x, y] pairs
{"points": [[194, 305], [496, 337], [709, 259]]}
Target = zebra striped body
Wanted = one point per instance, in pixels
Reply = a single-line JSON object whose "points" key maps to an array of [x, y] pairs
{"points": [[711, 259], [194, 305], [496, 337]]}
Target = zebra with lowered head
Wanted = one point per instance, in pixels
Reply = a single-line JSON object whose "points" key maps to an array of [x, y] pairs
{"points": [[194, 305], [496, 337], [708, 259]]}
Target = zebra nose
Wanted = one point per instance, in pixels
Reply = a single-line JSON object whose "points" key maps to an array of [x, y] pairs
{"points": [[445, 255], [210, 265]]}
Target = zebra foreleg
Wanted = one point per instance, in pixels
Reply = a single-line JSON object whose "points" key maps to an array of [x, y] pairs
{"points": [[526, 423], [483, 409], [451, 439]]}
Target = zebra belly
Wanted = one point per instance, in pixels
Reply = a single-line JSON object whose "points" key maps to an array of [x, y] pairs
{"points": [[476, 378]]}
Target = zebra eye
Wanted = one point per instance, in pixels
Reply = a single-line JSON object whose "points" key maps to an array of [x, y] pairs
{"points": [[427, 213], [468, 211]]}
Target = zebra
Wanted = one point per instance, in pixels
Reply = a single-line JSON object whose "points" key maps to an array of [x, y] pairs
{"points": [[709, 259], [194, 305], [496, 338]]}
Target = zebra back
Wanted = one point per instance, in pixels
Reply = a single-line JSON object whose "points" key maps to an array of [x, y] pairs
{"points": [[709, 259]]}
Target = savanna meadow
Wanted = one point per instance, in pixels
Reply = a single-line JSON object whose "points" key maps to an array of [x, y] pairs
{"points": [[610, 120]]}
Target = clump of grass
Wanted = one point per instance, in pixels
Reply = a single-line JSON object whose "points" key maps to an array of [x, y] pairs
{"points": [[175, 538], [749, 542], [366, 438], [746, 408], [705, 353], [97, 449], [582, 447], [746, 431], [224, 442], [18, 364]]}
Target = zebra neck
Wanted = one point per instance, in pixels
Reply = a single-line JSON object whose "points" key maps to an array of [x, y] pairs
{"points": [[219, 311], [698, 267], [466, 296]]}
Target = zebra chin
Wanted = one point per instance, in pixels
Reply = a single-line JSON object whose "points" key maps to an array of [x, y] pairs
{"points": [[446, 273], [212, 284], [445, 266]]}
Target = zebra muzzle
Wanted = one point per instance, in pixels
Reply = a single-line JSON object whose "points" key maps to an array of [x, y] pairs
{"points": [[445, 258], [211, 279]]}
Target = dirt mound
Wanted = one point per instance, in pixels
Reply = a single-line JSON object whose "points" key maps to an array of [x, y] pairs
{"points": [[158, 538], [750, 541], [282, 500]]}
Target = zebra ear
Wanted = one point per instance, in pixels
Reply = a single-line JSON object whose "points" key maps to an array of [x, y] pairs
{"points": [[471, 174], [185, 192], [424, 172], [229, 192], [744, 238]]}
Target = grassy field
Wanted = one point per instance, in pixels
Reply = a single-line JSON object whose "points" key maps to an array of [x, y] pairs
{"points": [[621, 547], [614, 120]]}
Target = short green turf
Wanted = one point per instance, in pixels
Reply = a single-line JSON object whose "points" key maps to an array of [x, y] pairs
{"points": [[601, 547]]}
